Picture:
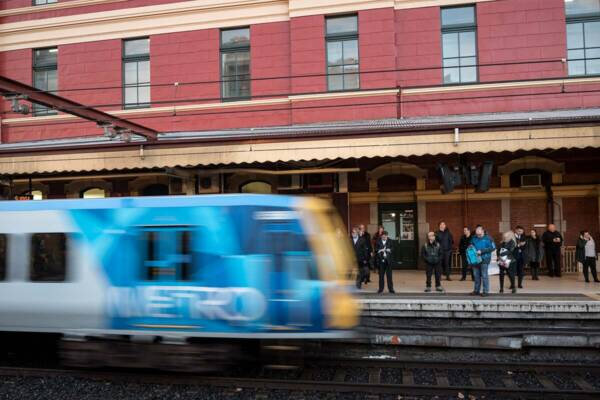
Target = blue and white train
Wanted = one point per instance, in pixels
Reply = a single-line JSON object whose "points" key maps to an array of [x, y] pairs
{"points": [[184, 267]]}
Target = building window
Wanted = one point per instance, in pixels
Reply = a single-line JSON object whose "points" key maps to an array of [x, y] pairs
{"points": [[235, 64], [45, 62], [459, 45], [2, 256], [93, 193], [583, 37], [136, 73], [48, 257], [342, 53], [43, 2]]}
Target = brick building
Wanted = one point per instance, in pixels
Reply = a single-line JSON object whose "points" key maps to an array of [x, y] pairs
{"points": [[352, 100]]}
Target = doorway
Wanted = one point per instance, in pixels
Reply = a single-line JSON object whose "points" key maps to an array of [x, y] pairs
{"points": [[400, 221]]}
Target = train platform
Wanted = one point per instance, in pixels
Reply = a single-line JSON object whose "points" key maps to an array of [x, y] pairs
{"points": [[551, 312]]}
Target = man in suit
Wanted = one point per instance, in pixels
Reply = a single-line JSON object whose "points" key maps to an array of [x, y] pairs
{"points": [[362, 232], [383, 257], [361, 251]]}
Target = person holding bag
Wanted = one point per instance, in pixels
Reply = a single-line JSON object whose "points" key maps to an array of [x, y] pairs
{"points": [[432, 255], [507, 260]]}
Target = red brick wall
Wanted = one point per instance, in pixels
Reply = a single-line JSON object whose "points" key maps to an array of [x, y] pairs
{"points": [[451, 212], [87, 65], [16, 65], [10, 4], [512, 31], [308, 54], [270, 57], [359, 214], [456, 215], [419, 46], [580, 213], [185, 57], [527, 212], [377, 48]]}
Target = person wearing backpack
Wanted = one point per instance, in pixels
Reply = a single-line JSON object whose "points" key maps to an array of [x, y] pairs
{"points": [[507, 260], [484, 246], [431, 252]]}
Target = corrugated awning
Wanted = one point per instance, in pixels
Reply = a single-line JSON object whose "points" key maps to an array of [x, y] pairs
{"points": [[296, 149]]}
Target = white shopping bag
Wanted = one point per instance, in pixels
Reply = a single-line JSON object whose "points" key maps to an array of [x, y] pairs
{"points": [[493, 268]]}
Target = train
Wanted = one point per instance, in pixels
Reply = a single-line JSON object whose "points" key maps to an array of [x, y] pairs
{"points": [[182, 274]]}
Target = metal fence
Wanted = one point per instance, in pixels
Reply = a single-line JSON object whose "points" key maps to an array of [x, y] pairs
{"points": [[568, 265]]}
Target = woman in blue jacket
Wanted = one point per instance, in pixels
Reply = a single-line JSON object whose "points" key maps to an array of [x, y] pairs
{"points": [[484, 246]]}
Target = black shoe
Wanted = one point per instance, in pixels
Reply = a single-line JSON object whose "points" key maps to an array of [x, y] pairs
{"points": [[368, 281], [484, 295], [514, 290], [379, 291], [501, 291], [587, 281], [392, 292], [474, 293], [520, 286], [596, 280], [463, 279]]}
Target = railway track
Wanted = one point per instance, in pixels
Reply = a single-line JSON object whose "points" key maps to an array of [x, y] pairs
{"points": [[371, 378]]}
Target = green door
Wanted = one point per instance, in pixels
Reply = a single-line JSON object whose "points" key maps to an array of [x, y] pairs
{"points": [[400, 221]]}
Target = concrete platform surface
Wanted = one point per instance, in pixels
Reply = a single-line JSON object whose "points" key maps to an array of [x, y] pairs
{"points": [[413, 281]]}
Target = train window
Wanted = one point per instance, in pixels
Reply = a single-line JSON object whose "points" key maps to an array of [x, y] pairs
{"points": [[48, 257], [166, 254], [3, 256]]}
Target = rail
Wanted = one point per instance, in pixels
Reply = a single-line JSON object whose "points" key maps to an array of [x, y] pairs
{"points": [[568, 264]]}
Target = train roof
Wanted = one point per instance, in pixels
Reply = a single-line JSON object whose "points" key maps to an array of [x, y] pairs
{"points": [[151, 201]]}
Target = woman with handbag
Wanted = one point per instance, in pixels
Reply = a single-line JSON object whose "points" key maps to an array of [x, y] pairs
{"points": [[507, 258]]}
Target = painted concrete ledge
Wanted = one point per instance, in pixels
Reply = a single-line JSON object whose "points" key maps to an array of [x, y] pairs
{"points": [[499, 342], [495, 309]]}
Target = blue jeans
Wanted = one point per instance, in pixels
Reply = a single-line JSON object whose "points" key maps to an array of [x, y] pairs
{"points": [[481, 274]]}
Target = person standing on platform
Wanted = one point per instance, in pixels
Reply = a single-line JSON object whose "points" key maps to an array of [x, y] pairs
{"points": [[508, 259], [553, 241], [446, 241], [534, 253], [586, 254], [383, 258], [374, 241], [465, 241], [484, 246], [362, 232], [432, 255], [361, 251], [521, 242]]}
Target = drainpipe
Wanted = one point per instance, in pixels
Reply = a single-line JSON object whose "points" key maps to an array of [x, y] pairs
{"points": [[549, 205]]}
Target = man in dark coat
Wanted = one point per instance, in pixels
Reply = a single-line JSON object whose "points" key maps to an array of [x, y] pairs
{"points": [[361, 251], [553, 241], [384, 257], [519, 253], [431, 252], [362, 232], [465, 241], [446, 241]]}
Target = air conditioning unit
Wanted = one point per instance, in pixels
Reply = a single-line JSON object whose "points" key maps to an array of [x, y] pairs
{"points": [[289, 182], [208, 183], [531, 181]]}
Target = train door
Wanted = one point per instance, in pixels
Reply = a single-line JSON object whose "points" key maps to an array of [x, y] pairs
{"points": [[294, 291], [161, 291]]}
